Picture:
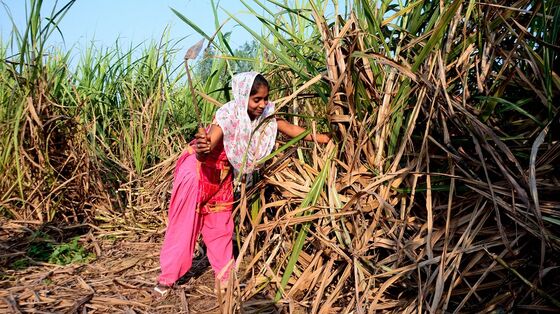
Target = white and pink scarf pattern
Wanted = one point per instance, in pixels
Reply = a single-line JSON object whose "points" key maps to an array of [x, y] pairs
{"points": [[245, 141]]}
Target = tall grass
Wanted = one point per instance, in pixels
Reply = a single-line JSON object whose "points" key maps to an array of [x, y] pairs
{"points": [[73, 137]]}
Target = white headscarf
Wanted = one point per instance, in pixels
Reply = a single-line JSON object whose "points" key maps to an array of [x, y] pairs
{"points": [[245, 141]]}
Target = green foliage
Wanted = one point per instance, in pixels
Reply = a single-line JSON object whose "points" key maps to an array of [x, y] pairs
{"points": [[40, 251], [69, 253], [245, 56], [21, 263], [43, 249], [203, 69], [244, 59], [41, 246]]}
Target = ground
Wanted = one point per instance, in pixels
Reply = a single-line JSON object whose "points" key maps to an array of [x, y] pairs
{"points": [[119, 279]]}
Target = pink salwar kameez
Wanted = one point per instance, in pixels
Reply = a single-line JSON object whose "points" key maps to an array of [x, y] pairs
{"points": [[201, 202]]}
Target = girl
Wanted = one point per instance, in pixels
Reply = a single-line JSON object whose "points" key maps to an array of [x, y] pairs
{"points": [[202, 196]]}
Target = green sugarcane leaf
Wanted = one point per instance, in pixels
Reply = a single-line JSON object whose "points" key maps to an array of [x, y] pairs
{"points": [[441, 26], [309, 200], [282, 148], [285, 58]]}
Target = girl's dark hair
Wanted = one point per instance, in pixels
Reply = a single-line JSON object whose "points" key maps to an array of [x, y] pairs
{"points": [[258, 83]]}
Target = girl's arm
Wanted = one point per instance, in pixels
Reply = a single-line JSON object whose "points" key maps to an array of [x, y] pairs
{"points": [[292, 131], [206, 142]]}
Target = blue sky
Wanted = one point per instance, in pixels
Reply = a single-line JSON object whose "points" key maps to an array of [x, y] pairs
{"points": [[133, 21]]}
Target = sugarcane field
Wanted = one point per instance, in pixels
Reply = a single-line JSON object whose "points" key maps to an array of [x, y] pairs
{"points": [[347, 157]]}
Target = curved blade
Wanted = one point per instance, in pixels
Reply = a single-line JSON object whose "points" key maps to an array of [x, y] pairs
{"points": [[194, 50]]}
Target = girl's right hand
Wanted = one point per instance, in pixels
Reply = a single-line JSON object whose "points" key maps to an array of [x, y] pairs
{"points": [[202, 146]]}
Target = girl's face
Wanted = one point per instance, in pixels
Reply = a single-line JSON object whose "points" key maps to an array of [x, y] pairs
{"points": [[257, 102]]}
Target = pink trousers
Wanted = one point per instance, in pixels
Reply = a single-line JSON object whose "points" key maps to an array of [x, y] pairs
{"points": [[184, 226]]}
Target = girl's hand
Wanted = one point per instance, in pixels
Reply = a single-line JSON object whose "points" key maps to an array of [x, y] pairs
{"points": [[207, 141], [203, 142]]}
